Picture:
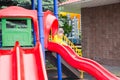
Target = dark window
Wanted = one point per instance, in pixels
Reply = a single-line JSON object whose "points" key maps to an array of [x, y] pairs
{"points": [[16, 23]]}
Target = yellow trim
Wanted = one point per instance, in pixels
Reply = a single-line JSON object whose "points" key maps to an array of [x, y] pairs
{"points": [[72, 15]]}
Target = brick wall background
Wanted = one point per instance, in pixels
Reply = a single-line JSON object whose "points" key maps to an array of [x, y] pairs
{"points": [[101, 33]]}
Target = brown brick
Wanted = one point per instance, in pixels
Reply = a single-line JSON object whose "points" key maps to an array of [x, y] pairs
{"points": [[101, 33]]}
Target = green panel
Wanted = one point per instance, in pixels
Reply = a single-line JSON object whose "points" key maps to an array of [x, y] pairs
{"points": [[16, 30]]}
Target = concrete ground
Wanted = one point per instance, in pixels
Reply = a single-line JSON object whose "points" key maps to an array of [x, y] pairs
{"points": [[113, 69], [52, 73]]}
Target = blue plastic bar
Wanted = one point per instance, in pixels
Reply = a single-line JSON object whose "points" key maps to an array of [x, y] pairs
{"points": [[33, 8], [40, 23], [59, 67], [33, 4]]}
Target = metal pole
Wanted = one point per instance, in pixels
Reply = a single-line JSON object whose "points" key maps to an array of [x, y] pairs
{"points": [[40, 23], [59, 67]]}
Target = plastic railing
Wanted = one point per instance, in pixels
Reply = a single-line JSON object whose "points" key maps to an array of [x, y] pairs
{"points": [[78, 51]]}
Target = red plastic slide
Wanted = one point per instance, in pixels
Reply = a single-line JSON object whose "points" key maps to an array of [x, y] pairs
{"points": [[88, 65], [22, 64]]}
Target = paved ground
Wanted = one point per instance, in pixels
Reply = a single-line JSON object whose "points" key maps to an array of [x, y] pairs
{"points": [[52, 73], [114, 69]]}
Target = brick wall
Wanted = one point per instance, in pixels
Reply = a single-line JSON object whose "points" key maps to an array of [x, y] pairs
{"points": [[101, 33]]}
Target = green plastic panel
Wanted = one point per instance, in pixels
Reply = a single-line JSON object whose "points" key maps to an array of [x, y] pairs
{"points": [[16, 30]]}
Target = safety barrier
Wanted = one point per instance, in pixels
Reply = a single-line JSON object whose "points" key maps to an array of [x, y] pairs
{"points": [[78, 51]]}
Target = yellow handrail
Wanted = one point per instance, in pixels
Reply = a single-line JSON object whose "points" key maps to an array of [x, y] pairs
{"points": [[78, 51]]}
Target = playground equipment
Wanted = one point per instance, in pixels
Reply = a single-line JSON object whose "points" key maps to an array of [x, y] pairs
{"points": [[87, 65], [21, 63]]}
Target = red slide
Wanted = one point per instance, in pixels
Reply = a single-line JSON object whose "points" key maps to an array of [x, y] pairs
{"points": [[22, 64], [87, 65]]}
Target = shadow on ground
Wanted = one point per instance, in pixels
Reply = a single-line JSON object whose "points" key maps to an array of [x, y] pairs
{"points": [[52, 75]]}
